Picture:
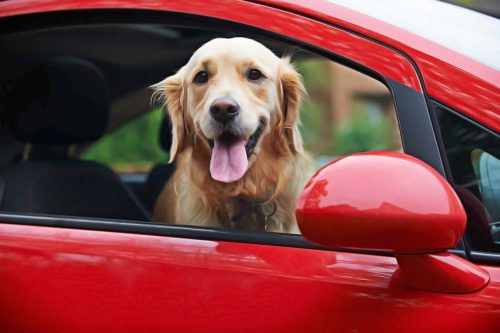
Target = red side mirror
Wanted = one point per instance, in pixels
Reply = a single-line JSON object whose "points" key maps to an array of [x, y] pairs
{"points": [[381, 201], [386, 201]]}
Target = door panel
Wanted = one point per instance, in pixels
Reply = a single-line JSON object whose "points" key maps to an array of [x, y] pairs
{"points": [[65, 280]]}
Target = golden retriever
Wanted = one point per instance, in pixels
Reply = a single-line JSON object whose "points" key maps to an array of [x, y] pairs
{"points": [[240, 163]]}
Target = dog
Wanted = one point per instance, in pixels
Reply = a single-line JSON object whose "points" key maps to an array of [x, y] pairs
{"points": [[240, 162]]}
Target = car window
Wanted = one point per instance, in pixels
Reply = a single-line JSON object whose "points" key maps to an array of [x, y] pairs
{"points": [[344, 112], [113, 162], [473, 156], [133, 147]]}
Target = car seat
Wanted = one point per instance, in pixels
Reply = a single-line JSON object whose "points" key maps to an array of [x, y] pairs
{"points": [[160, 173], [59, 103]]}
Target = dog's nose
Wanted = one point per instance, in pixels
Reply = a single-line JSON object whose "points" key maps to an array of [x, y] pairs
{"points": [[224, 109]]}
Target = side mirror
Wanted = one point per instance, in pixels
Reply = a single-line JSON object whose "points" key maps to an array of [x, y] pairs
{"points": [[389, 201]]}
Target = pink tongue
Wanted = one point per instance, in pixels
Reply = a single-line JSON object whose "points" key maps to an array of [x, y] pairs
{"points": [[229, 161]]}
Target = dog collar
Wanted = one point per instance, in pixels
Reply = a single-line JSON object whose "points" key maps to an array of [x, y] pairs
{"points": [[264, 209]]}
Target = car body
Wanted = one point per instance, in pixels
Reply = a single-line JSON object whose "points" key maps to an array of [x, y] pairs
{"points": [[64, 274]]}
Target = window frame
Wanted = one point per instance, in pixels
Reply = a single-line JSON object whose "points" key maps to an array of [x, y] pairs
{"points": [[473, 255], [416, 122]]}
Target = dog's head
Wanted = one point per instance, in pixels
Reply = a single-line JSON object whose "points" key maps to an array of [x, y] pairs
{"points": [[234, 94]]}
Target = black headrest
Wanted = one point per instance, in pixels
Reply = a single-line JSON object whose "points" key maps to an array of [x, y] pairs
{"points": [[61, 101], [166, 134]]}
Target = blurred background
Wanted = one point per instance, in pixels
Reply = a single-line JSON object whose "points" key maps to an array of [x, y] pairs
{"points": [[489, 7]]}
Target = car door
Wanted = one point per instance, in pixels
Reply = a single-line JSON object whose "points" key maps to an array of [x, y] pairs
{"points": [[73, 274]]}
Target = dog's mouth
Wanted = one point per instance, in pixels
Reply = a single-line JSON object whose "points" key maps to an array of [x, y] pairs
{"points": [[230, 154]]}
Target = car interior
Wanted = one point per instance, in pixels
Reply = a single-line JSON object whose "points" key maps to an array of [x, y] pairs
{"points": [[64, 88]]}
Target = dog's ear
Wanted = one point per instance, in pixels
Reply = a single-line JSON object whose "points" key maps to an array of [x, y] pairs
{"points": [[290, 93], [172, 91]]}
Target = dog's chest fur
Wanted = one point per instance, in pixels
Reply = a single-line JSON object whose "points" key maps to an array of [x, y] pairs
{"points": [[196, 201]]}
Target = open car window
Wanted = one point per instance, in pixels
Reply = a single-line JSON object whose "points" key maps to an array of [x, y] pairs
{"points": [[124, 146]]}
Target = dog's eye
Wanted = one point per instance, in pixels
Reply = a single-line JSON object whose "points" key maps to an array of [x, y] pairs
{"points": [[254, 74], [201, 77]]}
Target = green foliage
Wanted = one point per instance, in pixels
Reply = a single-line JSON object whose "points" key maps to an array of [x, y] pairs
{"points": [[311, 119], [314, 112], [133, 145], [362, 132], [367, 129], [313, 72]]}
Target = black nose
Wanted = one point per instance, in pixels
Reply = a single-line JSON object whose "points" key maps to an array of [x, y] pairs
{"points": [[224, 109]]}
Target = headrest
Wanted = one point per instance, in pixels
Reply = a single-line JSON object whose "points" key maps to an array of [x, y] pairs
{"points": [[61, 101], [166, 134]]}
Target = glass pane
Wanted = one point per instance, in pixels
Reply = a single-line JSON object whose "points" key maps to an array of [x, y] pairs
{"points": [[473, 156], [345, 112]]}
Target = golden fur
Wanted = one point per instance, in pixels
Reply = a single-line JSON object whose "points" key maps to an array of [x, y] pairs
{"points": [[278, 166]]}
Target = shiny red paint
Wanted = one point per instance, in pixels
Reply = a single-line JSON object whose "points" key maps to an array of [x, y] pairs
{"points": [[391, 201], [381, 59], [441, 272], [66, 280], [376, 200], [461, 82]]}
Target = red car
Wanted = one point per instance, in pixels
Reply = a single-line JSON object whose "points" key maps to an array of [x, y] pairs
{"points": [[392, 241]]}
